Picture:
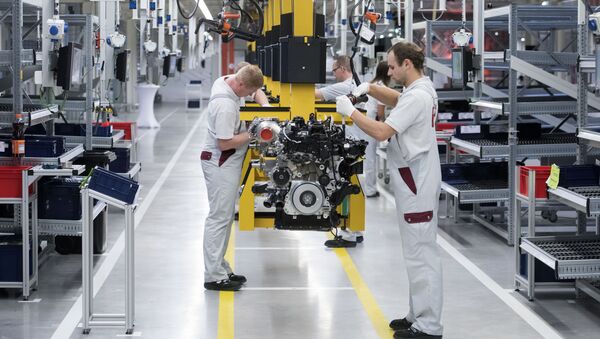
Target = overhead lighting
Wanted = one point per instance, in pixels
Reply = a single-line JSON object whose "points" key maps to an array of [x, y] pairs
{"points": [[205, 10], [545, 3]]}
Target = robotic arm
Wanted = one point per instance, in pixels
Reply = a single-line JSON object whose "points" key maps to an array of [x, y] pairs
{"points": [[249, 22]]}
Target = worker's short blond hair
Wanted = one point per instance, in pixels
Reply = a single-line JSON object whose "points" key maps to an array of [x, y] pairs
{"points": [[342, 61], [251, 76], [240, 66]]}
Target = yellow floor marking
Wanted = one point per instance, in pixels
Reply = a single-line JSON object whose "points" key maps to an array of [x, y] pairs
{"points": [[378, 319], [225, 323]]}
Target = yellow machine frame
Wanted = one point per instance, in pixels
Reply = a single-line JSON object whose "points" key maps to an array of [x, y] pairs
{"points": [[301, 103]]}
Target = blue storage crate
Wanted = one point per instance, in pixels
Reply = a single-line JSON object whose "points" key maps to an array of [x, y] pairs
{"points": [[42, 147], [123, 161], [60, 142], [79, 130], [579, 175], [11, 259], [60, 198], [113, 185]]}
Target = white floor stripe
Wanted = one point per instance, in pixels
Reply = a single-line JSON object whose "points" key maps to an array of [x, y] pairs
{"points": [[159, 122], [73, 317], [529, 316], [298, 289], [278, 248]]}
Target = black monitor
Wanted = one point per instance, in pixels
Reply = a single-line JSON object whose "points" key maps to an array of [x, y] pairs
{"points": [[69, 66], [181, 64], [169, 65], [121, 66]]}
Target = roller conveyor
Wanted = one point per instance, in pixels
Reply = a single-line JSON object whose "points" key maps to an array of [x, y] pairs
{"points": [[584, 199], [571, 257], [33, 114], [548, 145], [478, 191]]}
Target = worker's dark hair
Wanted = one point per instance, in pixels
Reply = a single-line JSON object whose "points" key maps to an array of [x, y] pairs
{"points": [[343, 61], [381, 73], [410, 51]]}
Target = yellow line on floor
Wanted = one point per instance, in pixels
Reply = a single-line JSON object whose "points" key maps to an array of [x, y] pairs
{"points": [[225, 323], [378, 319]]}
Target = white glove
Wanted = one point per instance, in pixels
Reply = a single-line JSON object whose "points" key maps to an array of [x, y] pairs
{"points": [[344, 106], [362, 89]]}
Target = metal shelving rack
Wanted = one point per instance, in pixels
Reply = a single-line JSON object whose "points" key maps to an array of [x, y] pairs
{"points": [[534, 64], [575, 256]]}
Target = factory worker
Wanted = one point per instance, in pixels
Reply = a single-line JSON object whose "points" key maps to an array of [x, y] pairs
{"points": [[344, 85], [344, 82], [416, 179], [259, 96], [375, 111], [222, 157]]}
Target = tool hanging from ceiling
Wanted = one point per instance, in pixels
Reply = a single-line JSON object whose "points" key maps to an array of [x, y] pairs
{"points": [[235, 21]]}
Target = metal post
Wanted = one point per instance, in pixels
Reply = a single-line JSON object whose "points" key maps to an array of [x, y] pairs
{"points": [[34, 235], [517, 241], [344, 27], [129, 269], [89, 69], [85, 257], [582, 99], [531, 233], [17, 67], [428, 45], [478, 40], [512, 129], [25, 230], [408, 20]]}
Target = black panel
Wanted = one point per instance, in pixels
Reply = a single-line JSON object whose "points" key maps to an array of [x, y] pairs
{"points": [[268, 61], [303, 62], [287, 25], [276, 62], [319, 29]]}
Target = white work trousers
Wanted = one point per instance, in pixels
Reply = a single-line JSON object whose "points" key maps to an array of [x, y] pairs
{"points": [[370, 167], [222, 177], [416, 191]]}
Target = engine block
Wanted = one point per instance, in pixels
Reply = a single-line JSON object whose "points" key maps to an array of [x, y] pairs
{"points": [[309, 165]]}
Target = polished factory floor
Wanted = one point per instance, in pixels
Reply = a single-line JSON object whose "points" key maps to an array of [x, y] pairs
{"points": [[296, 287]]}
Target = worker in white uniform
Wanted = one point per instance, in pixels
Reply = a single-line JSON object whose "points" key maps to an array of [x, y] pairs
{"points": [[344, 85], [344, 82], [259, 96], [222, 157], [375, 111], [416, 180]]}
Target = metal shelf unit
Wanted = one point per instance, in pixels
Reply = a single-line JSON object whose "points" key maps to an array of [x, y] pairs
{"points": [[97, 142], [548, 145], [33, 114], [71, 153], [67, 227]]}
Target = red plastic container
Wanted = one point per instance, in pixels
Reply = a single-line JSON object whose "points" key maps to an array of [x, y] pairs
{"points": [[128, 126], [11, 185], [541, 175]]}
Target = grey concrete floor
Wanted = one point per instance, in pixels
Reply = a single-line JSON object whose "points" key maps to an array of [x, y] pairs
{"points": [[296, 288]]}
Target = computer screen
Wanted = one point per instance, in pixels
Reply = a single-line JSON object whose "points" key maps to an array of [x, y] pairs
{"points": [[169, 66], [69, 67], [121, 66]]}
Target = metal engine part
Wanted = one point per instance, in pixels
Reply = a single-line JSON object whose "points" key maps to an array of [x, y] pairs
{"points": [[309, 165]]}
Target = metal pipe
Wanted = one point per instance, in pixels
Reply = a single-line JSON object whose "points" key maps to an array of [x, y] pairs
{"points": [[344, 27], [408, 20]]}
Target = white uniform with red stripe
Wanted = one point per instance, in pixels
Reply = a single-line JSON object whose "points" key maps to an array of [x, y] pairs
{"points": [[222, 170], [416, 178]]}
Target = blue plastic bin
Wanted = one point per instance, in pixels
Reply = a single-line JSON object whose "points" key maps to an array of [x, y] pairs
{"points": [[113, 185], [11, 259]]}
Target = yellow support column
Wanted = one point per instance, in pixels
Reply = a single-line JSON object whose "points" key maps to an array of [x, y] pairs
{"points": [[356, 210], [302, 102]]}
